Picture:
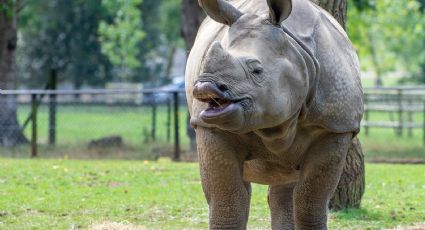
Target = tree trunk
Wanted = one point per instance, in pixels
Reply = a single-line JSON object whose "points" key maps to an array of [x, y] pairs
{"points": [[170, 62], [338, 9], [192, 16], [10, 131], [352, 183]]}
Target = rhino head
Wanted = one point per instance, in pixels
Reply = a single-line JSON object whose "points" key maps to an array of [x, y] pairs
{"points": [[256, 77]]}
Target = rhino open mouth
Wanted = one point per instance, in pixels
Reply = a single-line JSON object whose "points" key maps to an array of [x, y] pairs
{"points": [[219, 103]]}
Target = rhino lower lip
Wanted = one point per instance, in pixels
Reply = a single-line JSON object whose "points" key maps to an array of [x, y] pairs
{"points": [[218, 108]]}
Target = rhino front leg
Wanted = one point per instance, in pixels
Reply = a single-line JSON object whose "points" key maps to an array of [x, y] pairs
{"points": [[281, 206], [319, 177], [221, 167]]}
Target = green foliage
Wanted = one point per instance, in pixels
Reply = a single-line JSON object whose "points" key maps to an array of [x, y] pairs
{"points": [[61, 35], [161, 23], [93, 42], [171, 22], [7, 8], [120, 37], [394, 31], [67, 194], [364, 4], [422, 5]]}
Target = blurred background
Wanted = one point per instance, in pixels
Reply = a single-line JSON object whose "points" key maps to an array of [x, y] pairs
{"points": [[105, 78]]}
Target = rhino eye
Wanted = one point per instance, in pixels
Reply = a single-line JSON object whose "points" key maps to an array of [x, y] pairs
{"points": [[254, 66], [257, 71]]}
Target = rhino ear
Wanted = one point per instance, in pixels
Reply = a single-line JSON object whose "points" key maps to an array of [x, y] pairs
{"points": [[279, 10], [220, 11]]}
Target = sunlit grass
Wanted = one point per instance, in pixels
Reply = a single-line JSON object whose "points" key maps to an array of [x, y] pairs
{"points": [[66, 194]]}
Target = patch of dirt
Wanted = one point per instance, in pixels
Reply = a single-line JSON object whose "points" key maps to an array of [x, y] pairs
{"points": [[115, 226], [419, 226], [185, 156]]}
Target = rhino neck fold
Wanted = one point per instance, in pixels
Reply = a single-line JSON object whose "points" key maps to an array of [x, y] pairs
{"points": [[314, 68], [279, 138]]}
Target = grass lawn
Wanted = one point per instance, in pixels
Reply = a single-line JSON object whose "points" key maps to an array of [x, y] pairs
{"points": [[385, 143], [72, 194]]}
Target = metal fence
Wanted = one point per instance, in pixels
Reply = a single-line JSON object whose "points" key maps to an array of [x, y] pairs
{"points": [[149, 122], [93, 121]]}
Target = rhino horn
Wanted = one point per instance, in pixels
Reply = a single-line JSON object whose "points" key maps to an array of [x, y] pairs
{"points": [[279, 10], [215, 59], [220, 11]]}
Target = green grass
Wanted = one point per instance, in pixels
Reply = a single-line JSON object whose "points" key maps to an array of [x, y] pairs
{"points": [[71, 194], [77, 125], [385, 143]]}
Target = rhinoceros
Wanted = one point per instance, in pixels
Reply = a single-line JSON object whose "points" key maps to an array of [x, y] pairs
{"points": [[274, 94]]}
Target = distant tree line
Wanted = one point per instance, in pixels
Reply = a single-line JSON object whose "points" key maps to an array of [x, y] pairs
{"points": [[389, 35], [96, 41]]}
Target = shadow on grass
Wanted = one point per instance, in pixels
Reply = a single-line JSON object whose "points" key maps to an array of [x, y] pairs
{"points": [[357, 215], [148, 151], [376, 153]]}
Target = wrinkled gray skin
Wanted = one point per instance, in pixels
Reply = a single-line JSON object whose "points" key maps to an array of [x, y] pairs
{"points": [[272, 106]]}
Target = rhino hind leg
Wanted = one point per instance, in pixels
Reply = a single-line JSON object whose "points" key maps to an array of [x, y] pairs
{"points": [[280, 199], [352, 183]]}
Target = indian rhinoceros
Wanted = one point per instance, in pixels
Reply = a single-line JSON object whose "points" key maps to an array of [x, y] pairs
{"points": [[275, 97]]}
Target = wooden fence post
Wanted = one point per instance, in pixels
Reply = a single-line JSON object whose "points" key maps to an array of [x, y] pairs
{"points": [[34, 125], [423, 120], [400, 112], [176, 127], [52, 107], [366, 115], [168, 119], [153, 130], [409, 118]]}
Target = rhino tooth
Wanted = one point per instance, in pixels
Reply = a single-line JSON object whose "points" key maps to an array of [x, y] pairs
{"points": [[216, 103]]}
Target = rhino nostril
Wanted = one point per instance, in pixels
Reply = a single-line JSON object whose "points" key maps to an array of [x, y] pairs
{"points": [[223, 88]]}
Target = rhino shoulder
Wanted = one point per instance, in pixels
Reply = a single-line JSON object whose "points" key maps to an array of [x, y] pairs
{"points": [[338, 99]]}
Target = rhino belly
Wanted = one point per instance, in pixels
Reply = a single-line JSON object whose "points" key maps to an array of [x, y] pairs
{"points": [[269, 173]]}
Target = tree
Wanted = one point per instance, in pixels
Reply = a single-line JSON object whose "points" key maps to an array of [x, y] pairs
{"points": [[338, 9], [351, 187], [121, 35], [192, 16], [10, 131], [62, 35], [171, 27], [388, 34], [153, 49], [159, 23]]}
